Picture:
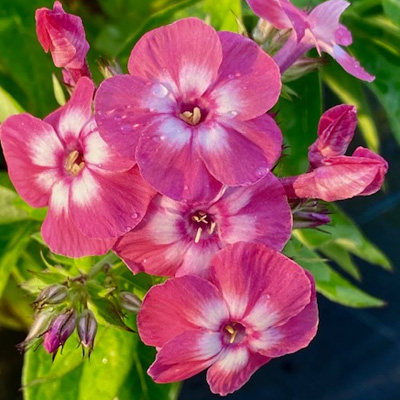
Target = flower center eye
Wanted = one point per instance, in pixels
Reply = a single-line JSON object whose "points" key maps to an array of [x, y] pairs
{"points": [[74, 162], [191, 117], [233, 332], [203, 225]]}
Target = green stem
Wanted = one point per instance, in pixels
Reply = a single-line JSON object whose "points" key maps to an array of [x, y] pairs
{"points": [[108, 259]]}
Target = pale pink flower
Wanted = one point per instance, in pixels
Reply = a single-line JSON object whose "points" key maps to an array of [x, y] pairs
{"points": [[333, 175], [63, 34], [93, 194], [179, 238], [257, 305], [320, 29], [192, 112]]}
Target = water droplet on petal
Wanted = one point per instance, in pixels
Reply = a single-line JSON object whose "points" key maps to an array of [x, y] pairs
{"points": [[135, 215], [135, 126], [155, 138], [237, 74], [261, 171], [128, 229], [231, 76], [125, 128], [92, 126], [159, 90], [232, 114], [144, 260], [99, 165], [186, 188]]}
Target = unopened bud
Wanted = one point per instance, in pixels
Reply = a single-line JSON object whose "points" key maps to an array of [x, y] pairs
{"points": [[54, 294], [109, 68], [302, 67], [38, 328], [60, 330], [309, 214], [130, 302], [87, 329]]}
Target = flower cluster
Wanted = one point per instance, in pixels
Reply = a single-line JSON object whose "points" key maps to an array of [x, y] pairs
{"points": [[173, 170]]}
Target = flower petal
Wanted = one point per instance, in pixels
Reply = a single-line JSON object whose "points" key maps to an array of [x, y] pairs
{"points": [[185, 355], [108, 205], [33, 153], [180, 304], [250, 275], [62, 235], [233, 369], [77, 112], [186, 53], [124, 105], [249, 81], [158, 244], [258, 213], [292, 336], [169, 162]]}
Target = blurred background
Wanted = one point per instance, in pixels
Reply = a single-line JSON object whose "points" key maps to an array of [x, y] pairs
{"points": [[356, 354]]}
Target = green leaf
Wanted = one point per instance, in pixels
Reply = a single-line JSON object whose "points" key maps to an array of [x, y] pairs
{"points": [[8, 212], [116, 371], [392, 10], [328, 282], [9, 106], [223, 13], [349, 90], [59, 94], [299, 123]]}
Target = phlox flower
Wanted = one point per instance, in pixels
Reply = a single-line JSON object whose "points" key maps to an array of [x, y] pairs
{"points": [[333, 175], [93, 194], [257, 305], [320, 29], [192, 112], [63, 34], [179, 238]]}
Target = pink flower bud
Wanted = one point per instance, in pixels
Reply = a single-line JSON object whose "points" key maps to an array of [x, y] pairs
{"points": [[87, 329], [60, 330]]}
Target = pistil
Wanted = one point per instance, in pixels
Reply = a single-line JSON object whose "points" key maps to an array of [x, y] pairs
{"points": [[191, 117], [71, 165]]}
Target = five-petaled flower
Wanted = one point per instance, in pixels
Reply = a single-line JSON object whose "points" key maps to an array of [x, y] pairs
{"points": [[94, 195], [192, 112], [257, 305], [179, 238], [320, 29]]}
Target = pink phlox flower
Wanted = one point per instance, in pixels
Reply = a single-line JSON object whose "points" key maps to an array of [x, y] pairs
{"points": [[93, 194], [257, 305], [179, 238], [320, 29], [192, 112], [63, 34], [333, 175]]}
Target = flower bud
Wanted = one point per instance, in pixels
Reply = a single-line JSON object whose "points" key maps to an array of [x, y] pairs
{"points": [[54, 294], [60, 330], [309, 214], [87, 329], [130, 302]]}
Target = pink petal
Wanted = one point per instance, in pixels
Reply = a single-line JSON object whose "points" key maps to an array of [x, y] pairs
{"points": [[335, 132], [77, 112], [232, 153], [258, 213], [63, 34], [124, 105], [185, 355], [186, 53], [108, 205], [33, 153], [249, 274], [169, 162], [97, 153], [158, 244], [340, 177], [180, 304], [233, 369], [343, 36], [350, 64], [292, 336], [324, 20], [60, 232], [249, 80]]}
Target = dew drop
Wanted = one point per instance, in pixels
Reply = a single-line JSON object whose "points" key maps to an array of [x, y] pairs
{"points": [[135, 215], [261, 171], [237, 74], [125, 128], [232, 114], [99, 165], [135, 126], [144, 260], [231, 76], [128, 229], [186, 188], [155, 138], [92, 126], [159, 90]]}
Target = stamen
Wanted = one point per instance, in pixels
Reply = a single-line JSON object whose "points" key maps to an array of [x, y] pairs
{"points": [[212, 227], [191, 117], [198, 235], [71, 165], [233, 333]]}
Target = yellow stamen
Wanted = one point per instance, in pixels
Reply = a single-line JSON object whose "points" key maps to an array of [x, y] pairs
{"points": [[70, 164], [212, 227], [198, 235], [191, 117], [233, 333]]}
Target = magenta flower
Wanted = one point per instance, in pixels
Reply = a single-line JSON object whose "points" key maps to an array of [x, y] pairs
{"points": [[193, 111], [177, 238], [63, 34], [320, 29], [257, 305], [93, 194], [333, 175]]}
